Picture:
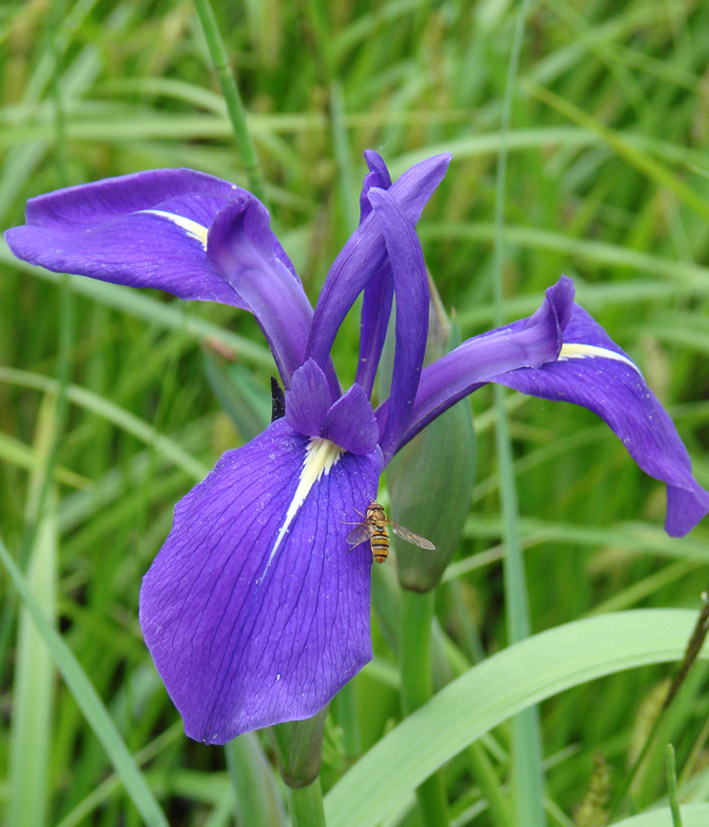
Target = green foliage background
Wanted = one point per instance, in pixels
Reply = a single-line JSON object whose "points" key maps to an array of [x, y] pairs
{"points": [[112, 403]]}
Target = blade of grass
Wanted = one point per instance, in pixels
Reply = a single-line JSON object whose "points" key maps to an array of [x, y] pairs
{"points": [[615, 255], [640, 160], [87, 699], [33, 689], [527, 784], [15, 452], [672, 786], [110, 785], [113, 413], [257, 800], [232, 96], [171, 316]]}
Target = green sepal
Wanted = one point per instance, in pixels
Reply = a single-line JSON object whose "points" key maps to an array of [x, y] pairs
{"points": [[299, 749]]}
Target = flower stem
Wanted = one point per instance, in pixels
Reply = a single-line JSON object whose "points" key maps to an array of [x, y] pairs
{"points": [[306, 806], [345, 707], [255, 801], [232, 96], [417, 688], [672, 786]]}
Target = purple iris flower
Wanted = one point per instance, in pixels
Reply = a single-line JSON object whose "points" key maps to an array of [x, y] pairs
{"points": [[253, 610]]}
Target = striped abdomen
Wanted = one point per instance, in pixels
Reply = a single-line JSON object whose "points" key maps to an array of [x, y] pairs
{"points": [[378, 533]]}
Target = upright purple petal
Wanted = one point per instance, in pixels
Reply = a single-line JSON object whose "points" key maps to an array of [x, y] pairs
{"points": [[412, 301], [254, 611], [308, 399], [365, 253], [594, 372], [379, 290], [528, 342], [351, 423], [376, 310], [378, 176], [241, 249]]}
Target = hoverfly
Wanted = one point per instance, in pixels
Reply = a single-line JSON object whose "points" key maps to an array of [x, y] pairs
{"points": [[374, 529]]}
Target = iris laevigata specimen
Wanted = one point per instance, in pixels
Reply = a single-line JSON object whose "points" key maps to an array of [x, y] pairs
{"points": [[253, 610]]}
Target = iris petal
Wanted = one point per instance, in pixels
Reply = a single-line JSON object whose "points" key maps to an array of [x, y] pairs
{"points": [[594, 372], [308, 399], [528, 342], [86, 205], [365, 252], [241, 249], [193, 235], [562, 353], [252, 622], [351, 423], [141, 249], [378, 176], [379, 290], [412, 300]]}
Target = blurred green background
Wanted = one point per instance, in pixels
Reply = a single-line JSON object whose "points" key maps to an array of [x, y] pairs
{"points": [[113, 403]]}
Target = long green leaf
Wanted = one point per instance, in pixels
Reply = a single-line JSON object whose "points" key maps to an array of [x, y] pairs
{"points": [[693, 815], [495, 690], [34, 685]]}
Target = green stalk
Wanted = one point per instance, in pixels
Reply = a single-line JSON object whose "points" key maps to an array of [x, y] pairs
{"points": [[307, 807], [486, 777], [527, 786], [255, 803], [417, 688], [232, 96], [345, 708], [343, 156], [672, 786]]}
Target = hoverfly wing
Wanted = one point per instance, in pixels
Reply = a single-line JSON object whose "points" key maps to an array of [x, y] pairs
{"points": [[358, 535], [410, 537]]}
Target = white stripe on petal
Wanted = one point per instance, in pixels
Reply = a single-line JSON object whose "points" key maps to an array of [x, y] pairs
{"points": [[321, 456], [572, 350], [192, 228]]}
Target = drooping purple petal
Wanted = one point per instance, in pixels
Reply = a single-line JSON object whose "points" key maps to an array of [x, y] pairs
{"points": [[308, 399], [254, 611], [351, 422], [166, 229], [412, 301], [594, 372], [145, 230], [528, 342], [365, 253], [241, 249], [86, 205]]}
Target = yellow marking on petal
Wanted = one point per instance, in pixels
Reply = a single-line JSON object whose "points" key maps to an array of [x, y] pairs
{"points": [[321, 456], [573, 350], [192, 228]]}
